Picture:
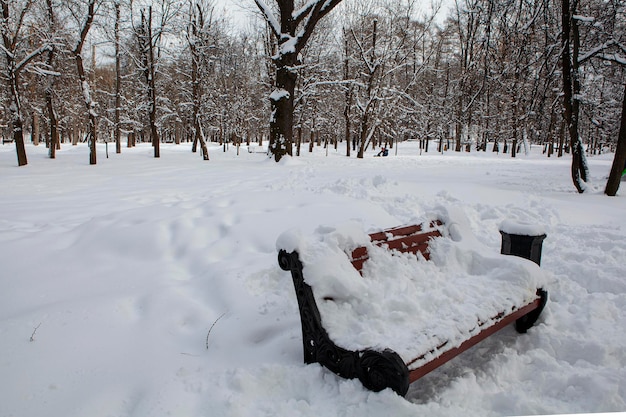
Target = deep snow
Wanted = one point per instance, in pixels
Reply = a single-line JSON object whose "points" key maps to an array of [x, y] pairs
{"points": [[150, 287]]}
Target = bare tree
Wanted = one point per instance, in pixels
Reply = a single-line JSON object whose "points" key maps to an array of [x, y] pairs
{"points": [[149, 34], [146, 46], [77, 53], [601, 50], [118, 81], [349, 93], [368, 103], [49, 90], [467, 25], [292, 27], [390, 60], [200, 20], [11, 27], [570, 41]]}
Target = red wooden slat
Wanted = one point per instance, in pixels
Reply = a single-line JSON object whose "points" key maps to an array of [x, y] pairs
{"points": [[360, 252], [406, 239], [358, 264], [416, 374], [401, 231], [404, 244]]}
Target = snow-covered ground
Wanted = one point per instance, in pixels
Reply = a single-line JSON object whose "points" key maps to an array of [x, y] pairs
{"points": [[150, 287]]}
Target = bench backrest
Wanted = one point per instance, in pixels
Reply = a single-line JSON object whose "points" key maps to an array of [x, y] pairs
{"points": [[412, 239]]}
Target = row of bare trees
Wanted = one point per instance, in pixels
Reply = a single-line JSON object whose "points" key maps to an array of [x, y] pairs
{"points": [[501, 72], [104, 70], [496, 71]]}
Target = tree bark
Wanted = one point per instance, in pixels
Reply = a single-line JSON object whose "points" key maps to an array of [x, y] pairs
{"points": [[151, 82], [118, 82], [281, 100], [348, 96], [196, 25], [34, 132], [54, 124], [571, 91], [148, 62], [619, 161], [84, 84]]}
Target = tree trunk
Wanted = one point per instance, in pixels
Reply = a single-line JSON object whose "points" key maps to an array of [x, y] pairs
{"points": [[89, 103], [118, 81], [199, 137], [367, 131], [196, 24], [18, 138], [458, 129], [348, 96], [311, 140], [571, 90], [619, 161], [54, 127], [54, 124], [281, 100], [92, 134], [298, 140], [16, 113], [13, 84], [150, 75], [363, 137], [34, 132]]}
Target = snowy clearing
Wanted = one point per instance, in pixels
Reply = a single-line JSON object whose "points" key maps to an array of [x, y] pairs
{"points": [[150, 287]]}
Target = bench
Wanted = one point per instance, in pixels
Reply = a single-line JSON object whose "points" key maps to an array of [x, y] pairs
{"points": [[256, 149], [380, 367]]}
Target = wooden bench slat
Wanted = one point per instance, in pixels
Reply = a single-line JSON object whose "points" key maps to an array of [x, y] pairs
{"points": [[405, 244], [358, 264], [401, 231], [417, 373], [359, 253], [406, 239]]}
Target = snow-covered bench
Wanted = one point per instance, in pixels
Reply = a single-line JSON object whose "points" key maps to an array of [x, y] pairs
{"points": [[256, 149], [373, 310]]}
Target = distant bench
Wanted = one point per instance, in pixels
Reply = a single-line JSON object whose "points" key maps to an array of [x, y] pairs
{"points": [[256, 149], [384, 368]]}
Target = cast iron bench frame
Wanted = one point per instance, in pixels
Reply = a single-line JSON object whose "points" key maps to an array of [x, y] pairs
{"points": [[379, 370]]}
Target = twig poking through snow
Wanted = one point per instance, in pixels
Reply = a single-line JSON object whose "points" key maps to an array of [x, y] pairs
{"points": [[32, 336], [211, 328]]}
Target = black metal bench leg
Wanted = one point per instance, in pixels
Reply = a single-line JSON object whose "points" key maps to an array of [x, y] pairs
{"points": [[376, 370], [380, 370], [526, 322]]}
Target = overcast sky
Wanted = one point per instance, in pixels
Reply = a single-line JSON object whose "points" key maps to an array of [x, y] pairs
{"points": [[240, 10], [237, 10]]}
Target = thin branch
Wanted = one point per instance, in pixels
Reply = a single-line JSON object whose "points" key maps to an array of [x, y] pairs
{"points": [[211, 328], [31, 56], [320, 9], [86, 26], [269, 17], [596, 51], [32, 336]]}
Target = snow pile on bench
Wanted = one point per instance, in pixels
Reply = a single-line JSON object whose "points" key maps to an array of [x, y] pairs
{"points": [[405, 303]]}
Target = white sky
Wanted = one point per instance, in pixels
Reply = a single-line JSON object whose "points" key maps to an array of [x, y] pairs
{"points": [[240, 11], [237, 10]]}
